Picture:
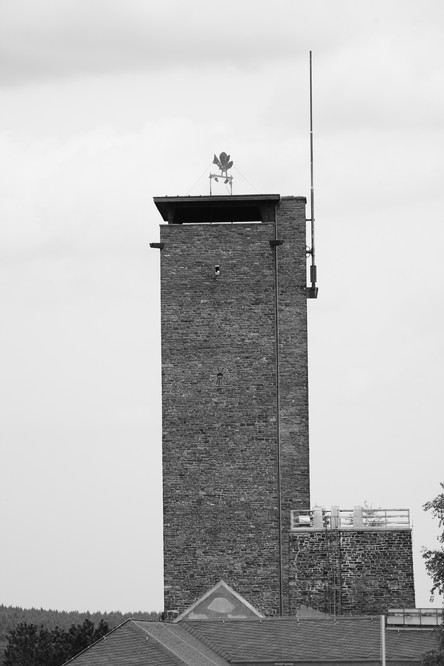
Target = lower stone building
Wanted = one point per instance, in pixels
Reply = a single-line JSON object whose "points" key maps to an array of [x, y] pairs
{"points": [[351, 562]]}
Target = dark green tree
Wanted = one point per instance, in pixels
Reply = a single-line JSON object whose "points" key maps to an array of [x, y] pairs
{"points": [[22, 645], [435, 657], [30, 645], [82, 635], [434, 562], [434, 559]]}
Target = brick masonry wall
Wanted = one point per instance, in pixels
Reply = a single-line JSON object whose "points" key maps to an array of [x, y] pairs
{"points": [[351, 571], [219, 390]]}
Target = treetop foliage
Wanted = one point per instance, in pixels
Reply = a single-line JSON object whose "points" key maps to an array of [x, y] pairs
{"points": [[434, 559], [434, 562], [435, 657], [30, 645], [55, 623]]}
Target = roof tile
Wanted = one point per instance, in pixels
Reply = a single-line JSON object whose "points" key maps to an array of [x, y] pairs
{"points": [[308, 640]]}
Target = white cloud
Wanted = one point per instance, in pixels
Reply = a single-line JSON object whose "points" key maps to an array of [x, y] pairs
{"points": [[50, 39], [158, 88]]}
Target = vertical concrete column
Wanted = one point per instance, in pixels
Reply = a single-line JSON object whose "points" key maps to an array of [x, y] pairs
{"points": [[335, 518], [358, 518], [318, 522]]}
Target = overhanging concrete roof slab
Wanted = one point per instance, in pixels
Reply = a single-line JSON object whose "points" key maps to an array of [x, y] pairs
{"points": [[206, 209]]}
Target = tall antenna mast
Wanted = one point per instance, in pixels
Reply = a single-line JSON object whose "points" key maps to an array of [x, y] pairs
{"points": [[312, 292]]}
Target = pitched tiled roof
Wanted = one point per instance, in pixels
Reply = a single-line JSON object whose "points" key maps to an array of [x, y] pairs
{"points": [[179, 641], [143, 643], [221, 642], [407, 644], [125, 646], [343, 639]]}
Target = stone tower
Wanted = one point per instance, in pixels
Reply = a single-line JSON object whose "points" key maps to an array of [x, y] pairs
{"points": [[234, 393]]}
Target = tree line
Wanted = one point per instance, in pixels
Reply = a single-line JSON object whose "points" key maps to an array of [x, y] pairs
{"points": [[22, 629], [30, 645]]}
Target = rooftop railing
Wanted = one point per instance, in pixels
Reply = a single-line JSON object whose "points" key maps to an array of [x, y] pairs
{"points": [[358, 518], [414, 617]]}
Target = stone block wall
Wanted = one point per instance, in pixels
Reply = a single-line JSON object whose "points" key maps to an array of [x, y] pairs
{"points": [[219, 396], [351, 572], [293, 369]]}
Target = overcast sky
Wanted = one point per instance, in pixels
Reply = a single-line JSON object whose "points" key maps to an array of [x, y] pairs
{"points": [[107, 103]]}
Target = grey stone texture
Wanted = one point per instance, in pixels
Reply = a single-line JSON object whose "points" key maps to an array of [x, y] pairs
{"points": [[235, 429], [351, 572], [219, 401]]}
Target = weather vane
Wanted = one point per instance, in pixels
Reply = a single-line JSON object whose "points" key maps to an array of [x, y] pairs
{"points": [[224, 164]]}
